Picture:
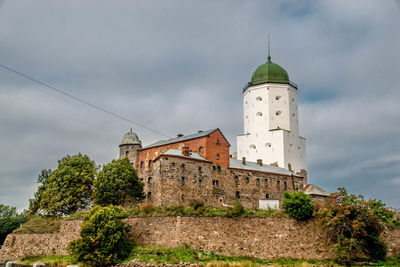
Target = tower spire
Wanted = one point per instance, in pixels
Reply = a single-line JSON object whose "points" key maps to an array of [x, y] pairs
{"points": [[269, 54]]}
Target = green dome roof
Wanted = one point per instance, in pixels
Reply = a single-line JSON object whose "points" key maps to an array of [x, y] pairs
{"points": [[269, 73], [131, 139]]}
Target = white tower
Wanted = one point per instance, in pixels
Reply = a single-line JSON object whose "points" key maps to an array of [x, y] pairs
{"points": [[271, 125]]}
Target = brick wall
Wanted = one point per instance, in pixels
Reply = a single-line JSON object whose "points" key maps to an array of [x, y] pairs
{"points": [[259, 237]]}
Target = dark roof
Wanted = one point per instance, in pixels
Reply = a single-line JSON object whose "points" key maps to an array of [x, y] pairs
{"points": [[180, 139]]}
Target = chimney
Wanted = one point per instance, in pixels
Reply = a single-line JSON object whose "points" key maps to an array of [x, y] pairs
{"points": [[179, 135], [244, 160], [185, 151], [259, 162]]}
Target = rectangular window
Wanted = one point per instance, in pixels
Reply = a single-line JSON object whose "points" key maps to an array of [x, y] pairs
{"points": [[258, 181], [182, 180], [278, 185], [285, 185], [266, 182], [237, 195]]}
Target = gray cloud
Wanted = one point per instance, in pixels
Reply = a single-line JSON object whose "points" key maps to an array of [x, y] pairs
{"points": [[179, 66]]}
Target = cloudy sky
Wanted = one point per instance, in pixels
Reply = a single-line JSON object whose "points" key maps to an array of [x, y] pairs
{"points": [[180, 66]]}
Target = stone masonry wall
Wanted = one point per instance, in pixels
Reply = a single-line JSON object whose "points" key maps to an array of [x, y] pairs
{"points": [[176, 181], [259, 237]]}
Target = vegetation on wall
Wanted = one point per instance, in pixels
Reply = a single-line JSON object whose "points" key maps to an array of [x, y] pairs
{"points": [[298, 205], [66, 189], [103, 237], [9, 221], [356, 225], [117, 183]]}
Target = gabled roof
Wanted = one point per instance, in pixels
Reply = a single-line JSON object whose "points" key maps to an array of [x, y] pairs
{"points": [[178, 153], [182, 138], [312, 189], [253, 166]]}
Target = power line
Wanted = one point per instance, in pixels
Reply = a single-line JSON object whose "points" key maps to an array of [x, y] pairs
{"points": [[81, 100]]}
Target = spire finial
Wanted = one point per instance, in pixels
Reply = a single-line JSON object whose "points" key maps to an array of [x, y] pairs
{"points": [[269, 54]]}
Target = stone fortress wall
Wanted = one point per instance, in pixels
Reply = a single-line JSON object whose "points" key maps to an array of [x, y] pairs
{"points": [[267, 238]]}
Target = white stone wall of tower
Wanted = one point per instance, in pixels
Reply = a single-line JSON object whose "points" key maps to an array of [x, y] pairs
{"points": [[271, 129]]}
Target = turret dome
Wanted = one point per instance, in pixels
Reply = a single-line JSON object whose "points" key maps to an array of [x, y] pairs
{"points": [[269, 73], [131, 138]]}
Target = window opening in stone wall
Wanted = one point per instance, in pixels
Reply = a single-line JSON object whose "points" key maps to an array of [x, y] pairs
{"points": [[201, 149], [217, 156], [277, 97], [200, 182], [236, 178], [183, 167], [253, 146], [150, 163], [219, 168], [149, 195], [218, 142], [266, 182], [278, 185], [237, 195], [182, 197], [214, 167], [200, 170], [127, 153], [259, 114], [182, 180], [141, 164], [172, 166], [247, 180], [285, 185], [258, 181], [266, 196], [149, 180], [259, 98], [278, 113]]}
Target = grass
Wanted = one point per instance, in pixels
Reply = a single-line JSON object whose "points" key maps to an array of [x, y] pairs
{"points": [[187, 211], [49, 260], [39, 225]]}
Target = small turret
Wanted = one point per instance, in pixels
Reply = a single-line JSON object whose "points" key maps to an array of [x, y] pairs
{"points": [[130, 147]]}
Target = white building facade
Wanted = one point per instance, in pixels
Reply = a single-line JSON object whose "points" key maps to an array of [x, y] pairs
{"points": [[271, 124]]}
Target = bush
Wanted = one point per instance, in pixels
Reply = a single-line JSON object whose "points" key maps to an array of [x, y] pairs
{"points": [[298, 205], [146, 207], [236, 210], [40, 225], [9, 221], [103, 237]]}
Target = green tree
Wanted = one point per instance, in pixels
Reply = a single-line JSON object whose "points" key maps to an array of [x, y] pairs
{"points": [[9, 221], [103, 237], [66, 189], [117, 183], [298, 205], [356, 225]]}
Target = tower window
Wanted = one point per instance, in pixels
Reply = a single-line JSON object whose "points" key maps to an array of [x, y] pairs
{"points": [[200, 170], [182, 180], [149, 195], [218, 142], [236, 179], [266, 196], [266, 182], [278, 185], [149, 180], [200, 182], [201, 149], [217, 156], [277, 97], [253, 146], [150, 163], [259, 98], [126, 153], [259, 114], [247, 180], [285, 185], [172, 166], [278, 113], [183, 167], [258, 181], [141, 164]]}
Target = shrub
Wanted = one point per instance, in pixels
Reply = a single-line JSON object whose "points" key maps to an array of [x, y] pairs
{"points": [[103, 237], [40, 225], [146, 207], [298, 205], [236, 210]]}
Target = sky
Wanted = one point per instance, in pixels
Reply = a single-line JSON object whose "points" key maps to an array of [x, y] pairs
{"points": [[180, 66]]}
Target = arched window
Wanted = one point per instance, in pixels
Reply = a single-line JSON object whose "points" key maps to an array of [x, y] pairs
{"points": [[217, 157], [150, 163], [201, 149], [247, 180], [127, 153], [259, 114], [252, 146], [141, 164], [259, 98], [278, 113]]}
